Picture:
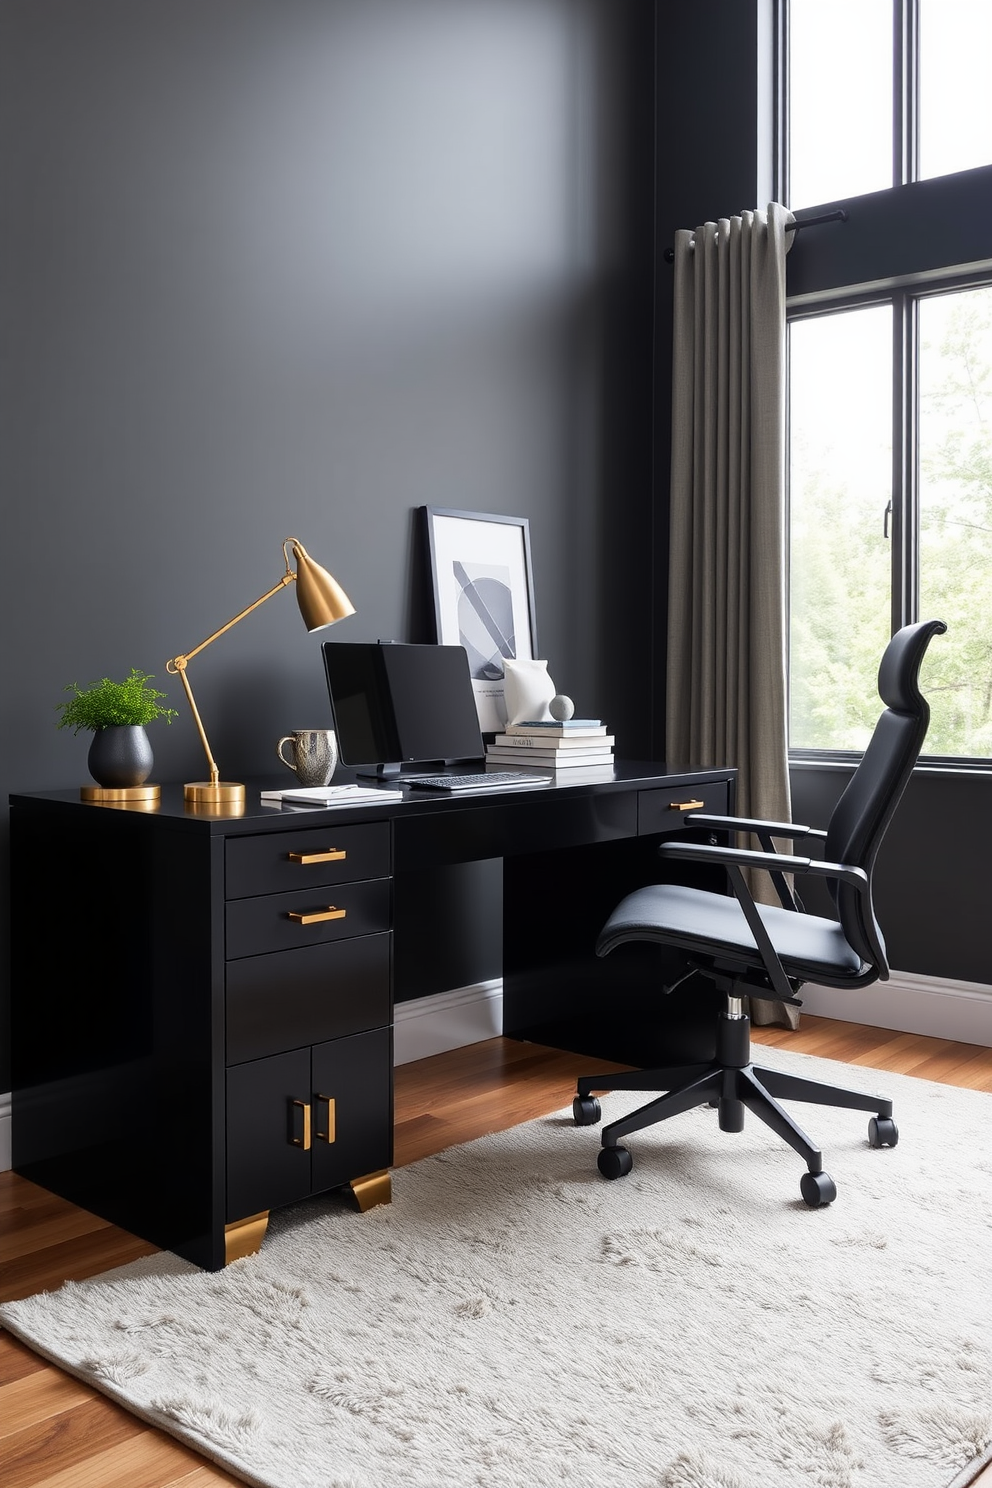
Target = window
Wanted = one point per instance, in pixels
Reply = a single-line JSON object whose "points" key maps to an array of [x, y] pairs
{"points": [[885, 91], [890, 417], [955, 101], [839, 489], [876, 542], [840, 99]]}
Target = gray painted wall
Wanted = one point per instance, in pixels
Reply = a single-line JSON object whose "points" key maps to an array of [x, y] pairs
{"points": [[276, 267]]}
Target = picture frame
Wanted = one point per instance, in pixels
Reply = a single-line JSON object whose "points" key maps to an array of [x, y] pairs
{"points": [[483, 589]]}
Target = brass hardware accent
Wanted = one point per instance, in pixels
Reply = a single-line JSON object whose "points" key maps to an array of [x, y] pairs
{"points": [[328, 1135], [222, 794], [221, 808], [303, 1141], [374, 1188], [137, 797], [330, 913], [332, 855], [686, 805], [244, 1237]]}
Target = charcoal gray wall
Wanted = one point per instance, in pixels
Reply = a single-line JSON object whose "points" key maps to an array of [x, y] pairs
{"points": [[275, 267]]}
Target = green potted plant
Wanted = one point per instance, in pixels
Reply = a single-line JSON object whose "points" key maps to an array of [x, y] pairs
{"points": [[120, 756]]}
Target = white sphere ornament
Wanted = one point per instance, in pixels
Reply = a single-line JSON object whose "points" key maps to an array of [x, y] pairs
{"points": [[561, 708]]}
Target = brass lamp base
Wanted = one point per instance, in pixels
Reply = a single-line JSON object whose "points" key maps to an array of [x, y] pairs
{"points": [[121, 795], [226, 793]]}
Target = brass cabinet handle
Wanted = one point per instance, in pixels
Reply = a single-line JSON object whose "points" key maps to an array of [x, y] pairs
{"points": [[330, 913], [686, 805], [332, 855], [303, 1141], [328, 1135]]}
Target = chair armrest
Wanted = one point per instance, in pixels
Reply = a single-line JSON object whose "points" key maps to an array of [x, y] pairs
{"points": [[748, 824], [734, 859], [746, 857], [772, 862]]}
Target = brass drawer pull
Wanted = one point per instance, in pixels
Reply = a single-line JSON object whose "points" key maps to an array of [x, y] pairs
{"points": [[328, 1135], [332, 855], [686, 805], [330, 913], [303, 1141]]}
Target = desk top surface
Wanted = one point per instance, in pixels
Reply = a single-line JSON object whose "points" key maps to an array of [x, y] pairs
{"points": [[262, 816]]}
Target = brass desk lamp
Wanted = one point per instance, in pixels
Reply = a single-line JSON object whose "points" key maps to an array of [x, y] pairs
{"points": [[322, 602]]}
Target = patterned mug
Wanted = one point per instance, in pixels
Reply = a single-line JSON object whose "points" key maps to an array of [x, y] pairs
{"points": [[313, 755]]}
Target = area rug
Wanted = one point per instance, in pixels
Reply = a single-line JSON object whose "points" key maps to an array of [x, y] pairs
{"points": [[513, 1320]]}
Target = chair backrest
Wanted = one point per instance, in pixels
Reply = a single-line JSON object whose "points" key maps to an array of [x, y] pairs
{"points": [[863, 813]]}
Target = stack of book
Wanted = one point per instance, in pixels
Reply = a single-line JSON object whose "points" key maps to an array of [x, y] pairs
{"points": [[553, 746]]}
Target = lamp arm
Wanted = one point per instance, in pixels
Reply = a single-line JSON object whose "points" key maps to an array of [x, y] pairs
{"points": [[177, 666], [179, 662]]}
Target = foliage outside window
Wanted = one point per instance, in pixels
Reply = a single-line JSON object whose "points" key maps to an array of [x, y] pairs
{"points": [[848, 578]]}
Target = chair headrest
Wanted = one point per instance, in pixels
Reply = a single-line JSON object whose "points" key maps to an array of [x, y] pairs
{"points": [[899, 670]]}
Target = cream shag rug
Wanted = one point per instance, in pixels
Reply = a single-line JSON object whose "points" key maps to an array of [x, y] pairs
{"points": [[513, 1320]]}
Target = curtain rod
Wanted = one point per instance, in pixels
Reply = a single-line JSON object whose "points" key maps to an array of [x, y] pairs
{"points": [[839, 216]]}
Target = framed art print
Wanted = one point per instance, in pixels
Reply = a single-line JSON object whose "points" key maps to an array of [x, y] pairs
{"points": [[483, 597]]}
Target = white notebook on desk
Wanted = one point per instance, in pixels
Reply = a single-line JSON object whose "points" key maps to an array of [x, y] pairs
{"points": [[333, 795]]}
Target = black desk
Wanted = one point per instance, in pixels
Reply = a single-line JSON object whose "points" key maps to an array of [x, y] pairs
{"points": [[202, 1005]]}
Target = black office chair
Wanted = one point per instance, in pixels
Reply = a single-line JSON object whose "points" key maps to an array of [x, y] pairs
{"points": [[747, 948]]}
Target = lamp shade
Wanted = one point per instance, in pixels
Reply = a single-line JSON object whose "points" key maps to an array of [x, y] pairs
{"points": [[320, 597]]}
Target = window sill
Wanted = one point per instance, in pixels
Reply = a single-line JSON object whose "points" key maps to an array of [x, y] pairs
{"points": [[848, 761]]}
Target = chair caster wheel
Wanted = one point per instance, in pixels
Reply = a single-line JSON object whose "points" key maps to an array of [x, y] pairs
{"points": [[586, 1110], [614, 1162], [882, 1132], [817, 1189]]}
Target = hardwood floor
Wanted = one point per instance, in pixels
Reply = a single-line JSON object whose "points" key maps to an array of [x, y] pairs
{"points": [[58, 1433]]}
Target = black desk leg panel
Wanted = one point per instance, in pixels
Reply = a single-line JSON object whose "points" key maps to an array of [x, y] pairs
{"points": [[557, 991]]}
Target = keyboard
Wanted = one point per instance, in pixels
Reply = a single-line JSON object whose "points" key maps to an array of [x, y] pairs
{"points": [[489, 780]]}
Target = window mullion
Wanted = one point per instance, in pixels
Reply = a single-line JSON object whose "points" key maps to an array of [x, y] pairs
{"points": [[905, 92], [905, 462]]}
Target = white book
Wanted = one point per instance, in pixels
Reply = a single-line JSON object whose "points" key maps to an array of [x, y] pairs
{"points": [[553, 730], [333, 795], [573, 760], [535, 740]]}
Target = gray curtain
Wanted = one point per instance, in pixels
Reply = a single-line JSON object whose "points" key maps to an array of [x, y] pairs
{"points": [[726, 700]]}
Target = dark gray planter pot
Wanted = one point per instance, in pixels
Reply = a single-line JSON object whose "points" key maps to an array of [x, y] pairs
{"points": [[120, 756]]}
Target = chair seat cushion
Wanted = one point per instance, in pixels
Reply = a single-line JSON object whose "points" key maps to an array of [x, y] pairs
{"points": [[714, 924]]}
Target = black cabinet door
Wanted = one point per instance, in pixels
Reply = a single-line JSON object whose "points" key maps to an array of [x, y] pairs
{"points": [[269, 1133], [308, 1120], [353, 1107]]}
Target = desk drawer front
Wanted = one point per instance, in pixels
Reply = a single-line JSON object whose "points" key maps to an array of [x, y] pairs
{"points": [[665, 810], [276, 861], [282, 922], [290, 998]]}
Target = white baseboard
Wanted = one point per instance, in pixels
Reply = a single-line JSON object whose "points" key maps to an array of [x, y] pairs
{"points": [[5, 1157], [447, 1020], [907, 1002], [911, 1003]]}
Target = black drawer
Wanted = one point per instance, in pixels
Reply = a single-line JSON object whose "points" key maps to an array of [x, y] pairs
{"points": [[290, 998], [665, 810], [277, 861], [282, 922]]}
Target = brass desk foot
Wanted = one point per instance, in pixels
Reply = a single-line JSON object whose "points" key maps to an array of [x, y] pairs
{"points": [[244, 1237], [374, 1188]]}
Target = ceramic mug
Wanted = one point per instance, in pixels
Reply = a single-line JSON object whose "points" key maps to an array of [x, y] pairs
{"points": [[313, 755]]}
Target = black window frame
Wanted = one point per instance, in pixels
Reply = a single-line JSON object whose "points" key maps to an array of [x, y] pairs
{"points": [[833, 278]]}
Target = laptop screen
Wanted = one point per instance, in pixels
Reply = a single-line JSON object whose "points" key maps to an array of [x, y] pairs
{"points": [[401, 704]]}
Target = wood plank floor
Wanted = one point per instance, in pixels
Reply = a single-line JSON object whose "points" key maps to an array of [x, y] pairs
{"points": [[58, 1433]]}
